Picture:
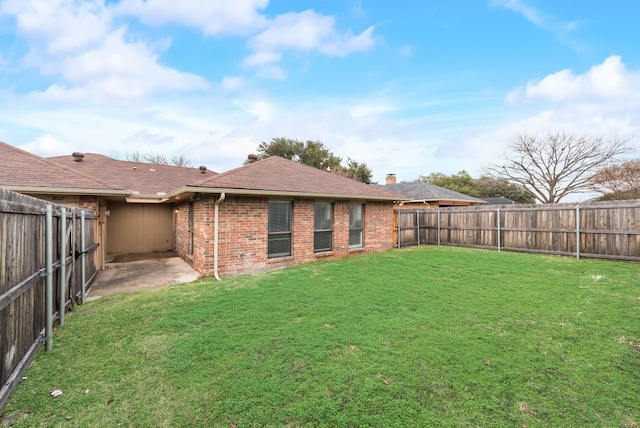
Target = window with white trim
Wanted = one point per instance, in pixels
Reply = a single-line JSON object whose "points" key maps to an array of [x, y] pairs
{"points": [[279, 244], [356, 225], [323, 227]]}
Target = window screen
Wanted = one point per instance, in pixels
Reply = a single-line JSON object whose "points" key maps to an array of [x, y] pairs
{"points": [[323, 227], [356, 222], [279, 229]]}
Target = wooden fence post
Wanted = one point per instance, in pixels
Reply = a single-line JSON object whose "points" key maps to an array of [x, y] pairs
{"points": [[578, 232], [438, 226], [498, 221]]}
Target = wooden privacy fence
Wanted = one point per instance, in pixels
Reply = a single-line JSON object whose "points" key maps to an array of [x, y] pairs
{"points": [[608, 230], [45, 269]]}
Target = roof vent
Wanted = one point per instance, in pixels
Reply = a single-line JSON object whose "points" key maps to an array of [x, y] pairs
{"points": [[77, 156], [252, 158], [203, 169]]}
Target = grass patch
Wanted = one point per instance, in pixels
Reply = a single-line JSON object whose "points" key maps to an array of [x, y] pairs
{"points": [[429, 336]]}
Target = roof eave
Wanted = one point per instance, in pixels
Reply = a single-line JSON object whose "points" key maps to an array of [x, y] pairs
{"points": [[67, 190], [254, 192], [466, 201]]}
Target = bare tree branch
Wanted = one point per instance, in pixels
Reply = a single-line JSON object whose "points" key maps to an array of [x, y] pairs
{"points": [[619, 181], [557, 164], [157, 159]]}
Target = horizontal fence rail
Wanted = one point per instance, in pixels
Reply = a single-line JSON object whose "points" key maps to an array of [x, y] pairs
{"points": [[607, 230], [45, 258]]}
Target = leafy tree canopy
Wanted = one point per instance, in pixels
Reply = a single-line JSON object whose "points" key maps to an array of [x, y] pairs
{"points": [[483, 187], [315, 154]]}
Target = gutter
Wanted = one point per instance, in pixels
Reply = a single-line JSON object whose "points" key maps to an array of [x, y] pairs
{"points": [[67, 190], [257, 192], [216, 232], [413, 201]]}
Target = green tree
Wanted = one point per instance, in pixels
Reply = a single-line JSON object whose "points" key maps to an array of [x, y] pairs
{"points": [[483, 187], [283, 147], [315, 154], [461, 182], [358, 171], [491, 187]]}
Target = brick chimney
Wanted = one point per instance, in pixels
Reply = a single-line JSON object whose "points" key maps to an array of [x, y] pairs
{"points": [[391, 179]]}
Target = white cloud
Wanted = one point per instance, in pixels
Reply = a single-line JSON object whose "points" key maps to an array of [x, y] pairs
{"points": [[232, 83], [59, 26], [406, 51], [262, 58], [306, 32], [47, 145], [607, 81], [74, 43], [210, 16], [564, 32]]}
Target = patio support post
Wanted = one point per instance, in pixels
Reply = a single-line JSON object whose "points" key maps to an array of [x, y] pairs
{"points": [[49, 276]]}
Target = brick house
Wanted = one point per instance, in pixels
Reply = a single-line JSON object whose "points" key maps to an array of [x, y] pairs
{"points": [[274, 213], [266, 214], [134, 214]]}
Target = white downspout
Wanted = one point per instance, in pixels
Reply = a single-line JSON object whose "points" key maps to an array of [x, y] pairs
{"points": [[215, 236]]}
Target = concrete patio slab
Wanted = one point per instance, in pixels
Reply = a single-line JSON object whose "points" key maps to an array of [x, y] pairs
{"points": [[134, 272]]}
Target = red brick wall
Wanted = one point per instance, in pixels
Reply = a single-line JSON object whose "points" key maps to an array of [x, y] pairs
{"points": [[243, 233]]}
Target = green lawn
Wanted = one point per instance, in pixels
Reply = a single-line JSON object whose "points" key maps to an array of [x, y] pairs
{"points": [[429, 336]]}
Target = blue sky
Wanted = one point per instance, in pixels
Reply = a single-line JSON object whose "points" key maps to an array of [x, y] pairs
{"points": [[409, 87]]}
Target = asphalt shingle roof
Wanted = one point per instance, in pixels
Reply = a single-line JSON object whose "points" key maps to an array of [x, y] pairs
{"points": [[276, 174], [19, 168], [421, 191], [141, 178], [499, 201]]}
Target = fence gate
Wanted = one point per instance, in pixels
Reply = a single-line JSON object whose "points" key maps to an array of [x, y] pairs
{"points": [[46, 268]]}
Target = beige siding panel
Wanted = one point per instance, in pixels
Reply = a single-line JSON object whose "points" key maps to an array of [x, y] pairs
{"points": [[138, 228]]}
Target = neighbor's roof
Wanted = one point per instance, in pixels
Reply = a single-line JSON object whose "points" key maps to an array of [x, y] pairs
{"points": [[499, 201], [26, 172], [421, 191], [143, 179], [276, 176]]}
